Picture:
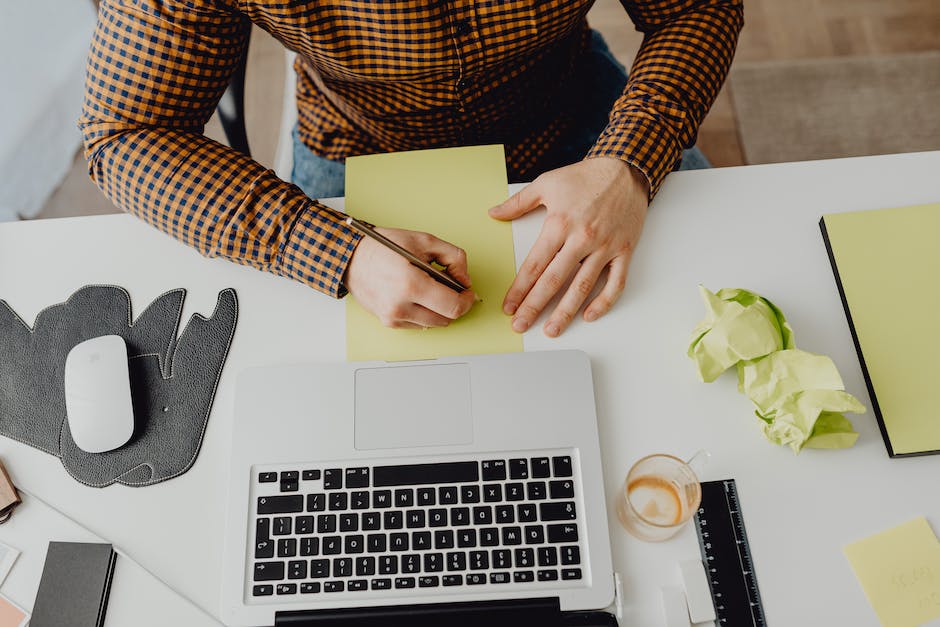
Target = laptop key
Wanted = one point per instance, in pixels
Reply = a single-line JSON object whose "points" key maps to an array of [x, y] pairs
{"points": [[452, 580], [398, 542], [342, 567], [357, 477], [332, 479], [280, 504], [562, 533], [332, 545], [267, 477], [570, 555], [394, 519], [479, 560], [371, 521], [525, 558], [467, 538], [415, 519], [447, 495], [526, 512], [297, 569], [514, 492], [404, 582], [494, 470], [433, 562], [357, 584], [326, 523], [459, 516], [437, 517], [287, 547], [489, 536], [347, 522], [282, 526], [290, 475], [518, 469], [548, 556], [548, 575], [502, 558], [319, 568], [304, 525], [523, 576], [427, 497], [382, 498], [410, 563], [354, 544], [505, 514], [563, 510], [359, 500], [269, 571], [388, 564], [287, 588], [534, 534], [570, 573], [512, 536], [429, 581], [470, 494], [404, 497], [310, 587], [536, 490], [482, 515], [262, 591], [456, 561], [310, 475], [309, 546], [499, 577], [444, 539], [264, 549], [561, 489], [339, 501], [475, 579], [541, 468], [365, 566], [290, 486], [382, 584], [316, 502], [561, 466], [334, 586], [376, 543], [492, 493], [420, 540]]}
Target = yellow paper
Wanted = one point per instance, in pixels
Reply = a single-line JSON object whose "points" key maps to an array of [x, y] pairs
{"points": [[445, 192], [888, 262], [899, 569]]}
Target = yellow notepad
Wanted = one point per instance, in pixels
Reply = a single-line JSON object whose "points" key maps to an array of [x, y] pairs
{"points": [[887, 265], [899, 569], [446, 192]]}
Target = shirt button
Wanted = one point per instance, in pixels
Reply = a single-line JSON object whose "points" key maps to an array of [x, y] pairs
{"points": [[463, 83], [463, 27]]}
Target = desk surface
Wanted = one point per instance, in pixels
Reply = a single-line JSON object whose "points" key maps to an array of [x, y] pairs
{"points": [[753, 227]]}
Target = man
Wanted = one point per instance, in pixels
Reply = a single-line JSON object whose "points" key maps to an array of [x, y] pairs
{"points": [[403, 75]]}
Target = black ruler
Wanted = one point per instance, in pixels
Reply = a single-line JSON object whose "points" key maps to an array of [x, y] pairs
{"points": [[727, 556]]}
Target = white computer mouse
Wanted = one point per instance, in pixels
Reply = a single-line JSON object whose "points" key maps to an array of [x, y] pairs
{"points": [[98, 394]]}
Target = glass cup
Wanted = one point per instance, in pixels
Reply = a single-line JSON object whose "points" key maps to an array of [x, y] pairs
{"points": [[660, 495]]}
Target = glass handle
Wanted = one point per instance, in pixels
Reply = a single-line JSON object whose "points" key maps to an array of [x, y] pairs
{"points": [[699, 461]]}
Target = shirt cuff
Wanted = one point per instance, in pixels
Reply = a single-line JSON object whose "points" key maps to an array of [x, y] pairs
{"points": [[318, 249], [647, 145]]}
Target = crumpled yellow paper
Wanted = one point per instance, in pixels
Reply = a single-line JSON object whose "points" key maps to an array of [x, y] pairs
{"points": [[797, 395]]}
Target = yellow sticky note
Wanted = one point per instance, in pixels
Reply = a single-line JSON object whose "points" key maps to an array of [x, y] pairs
{"points": [[446, 192], [899, 569]]}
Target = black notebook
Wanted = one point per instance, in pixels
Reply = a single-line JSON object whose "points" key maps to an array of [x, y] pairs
{"points": [[74, 587]]}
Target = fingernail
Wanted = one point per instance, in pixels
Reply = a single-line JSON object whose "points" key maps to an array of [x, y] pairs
{"points": [[590, 315], [519, 325], [551, 329], [509, 308]]}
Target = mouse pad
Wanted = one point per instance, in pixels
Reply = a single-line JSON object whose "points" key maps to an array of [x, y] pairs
{"points": [[173, 381]]}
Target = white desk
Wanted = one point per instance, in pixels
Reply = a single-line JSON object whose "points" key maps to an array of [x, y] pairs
{"points": [[753, 227]]}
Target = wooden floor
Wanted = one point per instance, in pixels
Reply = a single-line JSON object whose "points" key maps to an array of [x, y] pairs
{"points": [[779, 30], [774, 30]]}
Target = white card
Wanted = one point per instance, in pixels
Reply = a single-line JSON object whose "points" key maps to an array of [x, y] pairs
{"points": [[8, 555]]}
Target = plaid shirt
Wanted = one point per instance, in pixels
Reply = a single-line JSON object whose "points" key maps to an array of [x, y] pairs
{"points": [[372, 77]]}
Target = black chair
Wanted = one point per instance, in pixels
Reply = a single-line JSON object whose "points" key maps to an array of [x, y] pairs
{"points": [[231, 107]]}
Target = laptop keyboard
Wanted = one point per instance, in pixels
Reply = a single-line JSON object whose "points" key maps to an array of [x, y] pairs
{"points": [[389, 529]]}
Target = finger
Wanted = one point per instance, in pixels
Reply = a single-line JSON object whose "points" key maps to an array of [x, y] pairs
{"points": [[580, 288], [549, 242], [616, 280], [423, 317], [548, 284], [519, 204], [440, 299], [446, 254]]}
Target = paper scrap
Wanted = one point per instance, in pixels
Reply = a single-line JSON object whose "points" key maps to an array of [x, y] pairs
{"points": [[798, 395], [11, 614], [445, 192], [899, 570], [8, 555], [739, 325]]}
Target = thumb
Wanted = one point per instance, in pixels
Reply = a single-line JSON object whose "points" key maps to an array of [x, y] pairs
{"points": [[519, 204]]}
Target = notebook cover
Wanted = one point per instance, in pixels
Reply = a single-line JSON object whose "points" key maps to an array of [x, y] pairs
{"points": [[886, 264], [74, 587]]}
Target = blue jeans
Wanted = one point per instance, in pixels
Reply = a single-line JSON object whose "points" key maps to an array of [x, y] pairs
{"points": [[323, 178]]}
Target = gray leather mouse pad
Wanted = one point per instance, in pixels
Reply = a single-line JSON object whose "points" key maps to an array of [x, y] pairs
{"points": [[173, 381]]}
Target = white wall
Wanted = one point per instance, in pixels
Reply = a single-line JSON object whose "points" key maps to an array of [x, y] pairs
{"points": [[43, 45]]}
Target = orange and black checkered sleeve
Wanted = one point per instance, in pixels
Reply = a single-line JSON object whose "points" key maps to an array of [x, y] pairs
{"points": [[155, 71], [676, 76]]}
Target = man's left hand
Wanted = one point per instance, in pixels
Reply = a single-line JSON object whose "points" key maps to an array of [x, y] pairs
{"points": [[596, 210]]}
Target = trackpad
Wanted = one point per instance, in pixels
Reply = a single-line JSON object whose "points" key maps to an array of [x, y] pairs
{"points": [[406, 406]]}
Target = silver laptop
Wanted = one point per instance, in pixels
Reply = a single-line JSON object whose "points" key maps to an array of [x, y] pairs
{"points": [[463, 480]]}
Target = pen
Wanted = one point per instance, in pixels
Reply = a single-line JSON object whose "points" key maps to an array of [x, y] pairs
{"points": [[367, 229]]}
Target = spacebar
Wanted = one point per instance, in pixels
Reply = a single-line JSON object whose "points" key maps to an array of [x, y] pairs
{"points": [[417, 474]]}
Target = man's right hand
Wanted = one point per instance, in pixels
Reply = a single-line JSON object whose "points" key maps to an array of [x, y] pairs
{"points": [[400, 295]]}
